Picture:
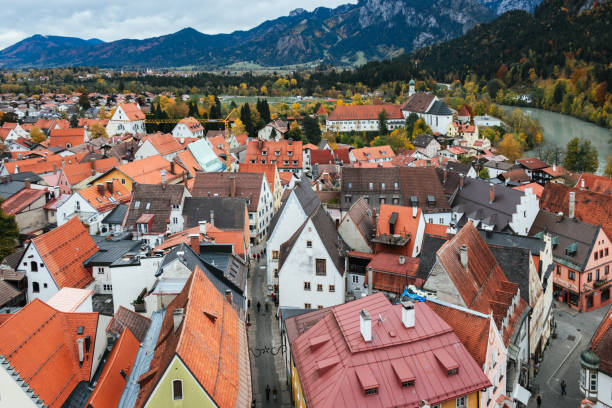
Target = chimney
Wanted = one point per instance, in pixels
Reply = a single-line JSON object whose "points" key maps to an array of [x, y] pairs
{"points": [[370, 281], [554, 167], [163, 176], [178, 314], [212, 218], [194, 242], [582, 184], [415, 210], [491, 193], [81, 351], [233, 186], [109, 186], [27, 183], [445, 173], [365, 324], [16, 169], [228, 296], [572, 204], [92, 162], [407, 312], [463, 255], [461, 181], [172, 167], [202, 227], [402, 259], [559, 216], [100, 187]]}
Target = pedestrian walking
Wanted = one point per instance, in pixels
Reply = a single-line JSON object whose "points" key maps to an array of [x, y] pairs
{"points": [[539, 400], [274, 393], [563, 386], [267, 392], [258, 307], [267, 307], [254, 403]]}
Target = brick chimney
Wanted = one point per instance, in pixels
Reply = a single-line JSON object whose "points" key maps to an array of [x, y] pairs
{"points": [[461, 180], [100, 187], [572, 204], [232, 186], [27, 183], [194, 242], [228, 296], [172, 165], [491, 193], [109, 186]]}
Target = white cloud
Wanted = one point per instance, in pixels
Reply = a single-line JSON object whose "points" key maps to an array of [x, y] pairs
{"points": [[117, 19]]}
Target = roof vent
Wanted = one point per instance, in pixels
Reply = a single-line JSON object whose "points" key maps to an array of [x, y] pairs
{"points": [[365, 325], [324, 364], [431, 200], [178, 314]]}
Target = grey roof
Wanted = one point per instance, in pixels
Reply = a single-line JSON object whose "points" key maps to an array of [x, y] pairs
{"points": [[514, 261], [13, 259], [228, 212], [326, 228], [117, 215], [80, 394], [217, 277], [363, 217], [422, 140], [458, 167], [159, 198], [431, 244], [248, 186], [231, 266], [137, 323], [439, 108], [535, 245], [110, 251], [564, 233], [473, 202], [307, 198], [10, 188], [26, 175], [8, 293], [500, 165], [143, 361]]}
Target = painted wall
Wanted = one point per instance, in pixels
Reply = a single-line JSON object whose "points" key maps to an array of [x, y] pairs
{"points": [[11, 394], [193, 394], [128, 281], [181, 130], [33, 216], [46, 284], [352, 235], [116, 175], [526, 212]]}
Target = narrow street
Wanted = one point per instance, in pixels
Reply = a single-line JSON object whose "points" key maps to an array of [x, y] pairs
{"points": [[562, 357], [264, 343]]}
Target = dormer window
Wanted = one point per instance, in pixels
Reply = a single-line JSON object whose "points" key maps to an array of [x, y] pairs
{"points": [[277, 153], [371, 186], [289, 153], [453, 371], [406, 384], [264, 152], [371, 391], [136, 205]]}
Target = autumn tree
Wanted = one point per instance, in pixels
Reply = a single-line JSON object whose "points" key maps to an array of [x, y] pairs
{"points": [[410, 121], [96, 130], [238, 127], [295, 132], [510, 147], [608, 169], [420, 128], [37, 135], [580, 155]]}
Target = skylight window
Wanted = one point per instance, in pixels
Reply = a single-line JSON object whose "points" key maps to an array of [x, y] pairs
{"points": [[148, 206], [136, 205]]}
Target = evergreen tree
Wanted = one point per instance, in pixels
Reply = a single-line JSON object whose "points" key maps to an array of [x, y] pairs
{"points": [[74, 121], [9, 232], [312, 131], [581, 156], [264, 111], [193, 109], [383, 117], [410, 122], [245, 117]]}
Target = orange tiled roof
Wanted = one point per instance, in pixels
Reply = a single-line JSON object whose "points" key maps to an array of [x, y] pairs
{"points": [[268, 169], [218, 144], [210, 341], [285, 177], [406, 224], [77, 172], [189, 162], [192, 123], [242, 139], [164, 143], [41, 343], [44, 165], [535, 187], [102, 201], [373, 153], [64, 250], [111, 382], [148, 170], [213, 234], [265, 151], [132, 111], [594, 183], [310, 146], [63, 137], [436, 229], [21, 200], [86, 122], [367, 165]]}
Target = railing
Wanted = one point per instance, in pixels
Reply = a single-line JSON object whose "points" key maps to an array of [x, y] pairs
{"points": [[599, 283]]}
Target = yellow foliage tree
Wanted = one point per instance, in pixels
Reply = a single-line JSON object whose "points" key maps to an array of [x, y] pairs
{"points": [[238, 127], [37, 135], [510, 147], [96, 131], [263, 90]]}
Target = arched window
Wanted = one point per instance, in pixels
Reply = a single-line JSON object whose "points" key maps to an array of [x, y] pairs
{"points": [[177, 389], [35, 287], [34, 266]]}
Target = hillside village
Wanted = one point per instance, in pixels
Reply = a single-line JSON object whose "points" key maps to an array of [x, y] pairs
{"points": [[203, 266]]}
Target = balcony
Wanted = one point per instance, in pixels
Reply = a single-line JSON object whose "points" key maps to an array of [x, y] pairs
{"points": [[395, 239], [599, 283]]}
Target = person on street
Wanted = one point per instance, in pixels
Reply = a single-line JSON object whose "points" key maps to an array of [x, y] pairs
{"points": [[539, 401], [267, 307], [563, 386], [274, 393], [258, 307], [267, 392]]}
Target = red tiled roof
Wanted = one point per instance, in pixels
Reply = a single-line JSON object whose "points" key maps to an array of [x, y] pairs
{"points": [[601, 343], [436, 229], [457, 150], [210, 341], [537, 188], [77, 172], [463, 111], [342, 155], [532, 163], [516, 175], [17, 202], [337, 371], [556, 171], [64, 249], [41, 343], [364, 112], [405, 224], [45, 165], [268, 169], [594, 183], [113, 378], [391, 276], [189, 162], [106, 200], [86, 122], [322, 110], [323, 156], [164, 143], [310, 146], [148, 170], [256, 148], [192, 124], [132, 111], [64, 137], [373, 153], [213, 234], [126, 318]]}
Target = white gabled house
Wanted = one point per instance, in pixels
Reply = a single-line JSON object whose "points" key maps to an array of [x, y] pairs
{"points": [[128, 118], [188, 127], [311, 265], [300, 205]]}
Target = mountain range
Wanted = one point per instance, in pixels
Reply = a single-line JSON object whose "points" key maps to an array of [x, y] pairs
{"points": [[347, 35]]}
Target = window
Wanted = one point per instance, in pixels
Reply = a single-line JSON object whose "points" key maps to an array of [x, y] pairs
{"points": [[175, 220], [571, 275], [276, 273], [596, 255], [382, 186], [589, 277], [601, 253], [321, 267], [350, 185], [382, 200], [319, 288], [177, 390], [274, 254], [332, 288], [396, 185], [45, 285], [606, 251], [371, 391], [148, 206], [35, 287], [122, 181], [347, 198], [558, 270], [136, 205], [34, 266], [355, 278], [395, 200], [100, 271], [107, 287], [307, 306], [593, 385], [607, 269], [406, 384], [306, 285], [320, 307], [371, 186], [308, 244], [461, 402], [264, 153]]}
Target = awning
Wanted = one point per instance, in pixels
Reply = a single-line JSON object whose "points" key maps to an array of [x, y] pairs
{"points": [[521, 394]]}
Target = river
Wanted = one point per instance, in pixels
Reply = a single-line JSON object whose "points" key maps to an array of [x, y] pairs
{"points": [[560, 129]]}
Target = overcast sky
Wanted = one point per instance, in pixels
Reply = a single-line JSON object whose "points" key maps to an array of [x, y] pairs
{"points": [[115, 19]]}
